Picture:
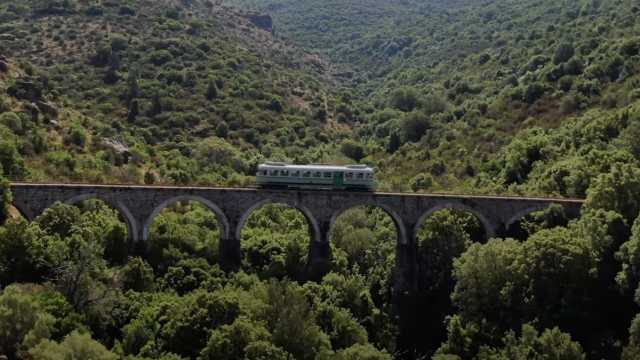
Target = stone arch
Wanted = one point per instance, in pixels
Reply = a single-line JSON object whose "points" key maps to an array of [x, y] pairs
{"points": [[311, 220], [222, 218], [397, 220], [490, 230], [523, 213], [513, 227], [130, 221]]}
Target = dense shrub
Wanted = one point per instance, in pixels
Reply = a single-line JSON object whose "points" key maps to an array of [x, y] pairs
{"points": [[95, 10], [74, 346], [533, 92], [159, 57], [12, 121], [126, 10], [119, 43], [353, 150], [415, 125], [421, 182], [404, 99], [563, 53], [78, 136], [532, 345], [11, 161]]}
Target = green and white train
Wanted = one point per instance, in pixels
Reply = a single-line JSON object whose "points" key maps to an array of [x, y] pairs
{"points": [[350, 177]]}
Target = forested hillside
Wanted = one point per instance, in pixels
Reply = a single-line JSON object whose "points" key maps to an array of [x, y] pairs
{"points": [[155, 90], [497, 96], [448, 84]]}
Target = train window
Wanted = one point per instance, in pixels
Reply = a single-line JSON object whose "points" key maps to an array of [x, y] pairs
{"points": [[360, 176], [296, 173], [369, 176], [327, 174], [284, 172], [273, 173], [306, 174], [317, 174], [349, 176]]}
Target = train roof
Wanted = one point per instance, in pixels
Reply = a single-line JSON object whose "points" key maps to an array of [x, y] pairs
{"points": [[278, 165]]}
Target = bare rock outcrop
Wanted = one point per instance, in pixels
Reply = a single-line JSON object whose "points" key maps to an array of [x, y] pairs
{"points": [[47, 108]]}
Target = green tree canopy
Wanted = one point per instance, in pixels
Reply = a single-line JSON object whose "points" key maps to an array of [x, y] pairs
{"points": [[353, 150], [74, 346], [229, 342], [11, 161], [531, 345], [404, 99], [415, 126], [22, 322], [618, 190]]}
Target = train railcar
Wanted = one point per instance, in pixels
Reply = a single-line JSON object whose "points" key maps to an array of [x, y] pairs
{"points": [[350, 177]]}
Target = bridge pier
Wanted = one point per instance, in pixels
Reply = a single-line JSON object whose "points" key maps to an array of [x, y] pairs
{"points": [[230, 254], [319, 260], [319, 257], [137, 238], [406, 266]]}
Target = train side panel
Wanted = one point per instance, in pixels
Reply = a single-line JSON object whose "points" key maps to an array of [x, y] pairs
{"points": [[320, 177]]}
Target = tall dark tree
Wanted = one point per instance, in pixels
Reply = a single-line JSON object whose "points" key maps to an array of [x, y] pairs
{"points": [[156, 104], [133, 110], [133, 88], [415, 126], [111, 76], [394, 142]]}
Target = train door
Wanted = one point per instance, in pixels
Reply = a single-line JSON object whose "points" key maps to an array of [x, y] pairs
{"points": [[338, 179]]}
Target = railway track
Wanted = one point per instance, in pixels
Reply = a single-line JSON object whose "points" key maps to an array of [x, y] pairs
{"points": [[258, 188]]}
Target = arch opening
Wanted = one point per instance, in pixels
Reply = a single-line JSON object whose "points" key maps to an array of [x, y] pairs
{"points": [[88, 200], [442, 235], [222, 220], [114, 225], [182, 232], [529, 221], [364, 241], [481, 232], [365, 237], [275, 240]]}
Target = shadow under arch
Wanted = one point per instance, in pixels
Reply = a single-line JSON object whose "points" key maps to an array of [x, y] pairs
{"points": [[311, 220], [513, 228], [397, 221], [522, 214], [132, 225], [222, 218], [489, 230]]}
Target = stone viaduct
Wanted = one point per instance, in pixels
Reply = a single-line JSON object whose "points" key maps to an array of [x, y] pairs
{"points": [[138, 205]]}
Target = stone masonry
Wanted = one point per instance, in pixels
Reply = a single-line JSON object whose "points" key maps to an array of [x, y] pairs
{"points": [[233, 206]]}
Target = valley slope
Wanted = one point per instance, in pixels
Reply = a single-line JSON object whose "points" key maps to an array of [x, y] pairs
{"points": [[446, 86], [156, 91]]}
